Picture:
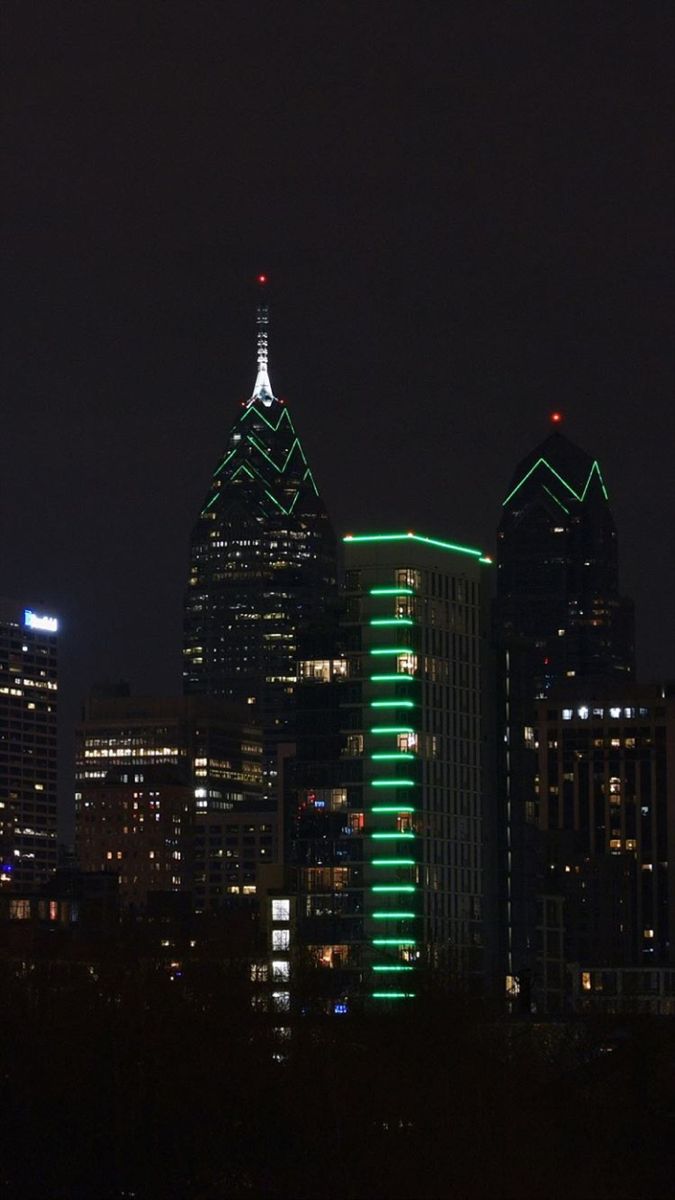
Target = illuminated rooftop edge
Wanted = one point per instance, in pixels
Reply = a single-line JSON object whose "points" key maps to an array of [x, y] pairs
{"points": [[417, 537]]}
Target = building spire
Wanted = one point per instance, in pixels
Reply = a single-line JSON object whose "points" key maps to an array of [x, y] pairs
{"points": [[263, 388]]}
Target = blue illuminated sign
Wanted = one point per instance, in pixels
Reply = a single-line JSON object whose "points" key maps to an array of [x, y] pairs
{"points": [[44, 624]]}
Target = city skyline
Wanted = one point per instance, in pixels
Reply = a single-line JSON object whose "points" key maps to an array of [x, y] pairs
{"points": [[427, 320]]}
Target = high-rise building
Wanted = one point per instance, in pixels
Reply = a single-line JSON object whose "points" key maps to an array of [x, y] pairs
{"points": [[558, 617], [388, 842], [606, 807], [262, 583], [169, 796], [28, 756]]}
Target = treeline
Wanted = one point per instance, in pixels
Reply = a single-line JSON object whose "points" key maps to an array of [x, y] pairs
{"points": [[122, 1083]]}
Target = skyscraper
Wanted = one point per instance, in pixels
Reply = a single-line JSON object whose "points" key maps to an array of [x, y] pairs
{"points": [[28, 692], [262, 564], [559, 618]]}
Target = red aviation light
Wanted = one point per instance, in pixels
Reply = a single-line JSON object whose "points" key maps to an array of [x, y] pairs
{"points": [[556, 418], [262, 279]]}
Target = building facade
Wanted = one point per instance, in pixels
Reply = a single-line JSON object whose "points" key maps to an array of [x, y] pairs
{"points": [[606, 809], [28, 749], [558, 617], [388, 837], [262, 584], [161, 783]]}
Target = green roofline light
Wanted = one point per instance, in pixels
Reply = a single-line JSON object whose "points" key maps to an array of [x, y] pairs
{"points": [[391, 591], [577, 496], [392, 704], [554, 497], [415, 537], [393, 967]]}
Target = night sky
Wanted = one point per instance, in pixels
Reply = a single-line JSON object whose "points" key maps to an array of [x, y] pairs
{"points": [[465, 212]]}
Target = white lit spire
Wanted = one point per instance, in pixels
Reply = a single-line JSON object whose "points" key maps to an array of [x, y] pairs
{"points": [[263, 388]]}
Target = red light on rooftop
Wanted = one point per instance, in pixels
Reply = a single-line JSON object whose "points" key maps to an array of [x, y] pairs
{"points": [[556, 418], [262, 279]]}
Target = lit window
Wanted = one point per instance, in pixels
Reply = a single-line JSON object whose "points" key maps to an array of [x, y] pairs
{"points": [[281, 969], [281, 910], [586, 981], [648, 933], [281, 1001], [281, 939]]}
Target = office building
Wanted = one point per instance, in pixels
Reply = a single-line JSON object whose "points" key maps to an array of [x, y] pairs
{"points": [[161, 784], [606, 808], [262, 584], [28, 755]]}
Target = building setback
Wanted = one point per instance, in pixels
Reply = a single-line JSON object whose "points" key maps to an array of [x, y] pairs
{"points": [[262, 583], [28, 755]]}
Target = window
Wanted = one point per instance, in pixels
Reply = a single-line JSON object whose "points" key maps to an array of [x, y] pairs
{"points": [[281, 969], [281, 910], [281, 939], [281, 1001]]}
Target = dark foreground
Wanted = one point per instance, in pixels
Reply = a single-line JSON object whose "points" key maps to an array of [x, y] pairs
{"points": [[148, 1088]]}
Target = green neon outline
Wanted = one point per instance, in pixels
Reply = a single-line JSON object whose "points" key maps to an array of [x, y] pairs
{"points": [[393, 862], [394, 914], [415, 537], [393, 967], [393, 678], [392, 650], [405, 941], [404, 835], [391, 591], [542, 461], [242, 467], [554, 497], [284, 413], [398, 808], [393, 887], [392, 729], [393, 704], [211, 501], [392, 621], [393, 995], [392, 783], [391, 754], [225, 462]]}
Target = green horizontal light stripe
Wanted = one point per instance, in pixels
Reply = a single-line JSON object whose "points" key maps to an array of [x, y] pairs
{"points": [[391, 836], [392, 704], [406, 941], [393, 995], [392, 729], [391, 591], [391, 650], [402, 808], [393, 887], [393, 916], [414, 537], [392, 621], [388, 783], [392, 967], [386, 755], [402, 678], [393, 862]]}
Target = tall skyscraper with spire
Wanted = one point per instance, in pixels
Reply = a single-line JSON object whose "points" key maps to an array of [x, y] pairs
{"points": [[262, 584]]}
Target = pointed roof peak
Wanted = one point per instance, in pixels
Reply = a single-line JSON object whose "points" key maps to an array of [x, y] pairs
{"points": [[263, 388]]}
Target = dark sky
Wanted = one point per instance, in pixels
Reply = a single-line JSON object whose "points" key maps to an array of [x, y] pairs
{"points": [[465, 210]]}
